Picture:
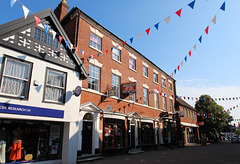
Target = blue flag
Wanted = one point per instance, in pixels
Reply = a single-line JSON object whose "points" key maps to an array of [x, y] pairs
{"points": [[131, 40], [191, 4], [223, 6], [156, 26], [200, 39], [13, 2]]}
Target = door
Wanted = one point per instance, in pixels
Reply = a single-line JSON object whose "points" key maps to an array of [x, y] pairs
{"points": [[87, 137], [133, 136]]}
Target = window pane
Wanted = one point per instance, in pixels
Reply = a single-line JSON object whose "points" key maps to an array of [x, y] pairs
{"points": [[55, 43], [43, 36], [49, 39], [54, 94], [95, 41], [56, 79], [37, 34], [145, 96], [116, 85], [132, 63], [94, 77], [116, 54]]}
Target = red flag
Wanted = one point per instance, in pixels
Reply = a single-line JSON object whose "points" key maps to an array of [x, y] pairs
{"points": [[60, 39], [190, 53], [169, 77], [206, 30], [179, 12], [106, 51], [124, 43], [76, 49], [178, 67], [37, 20], [147, 31]]}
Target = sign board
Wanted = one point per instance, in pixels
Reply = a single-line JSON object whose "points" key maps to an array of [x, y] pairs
{"points": [[164, 114], [111, 92], [181, 113], [30, 110], [108, 108], [129, 87]]}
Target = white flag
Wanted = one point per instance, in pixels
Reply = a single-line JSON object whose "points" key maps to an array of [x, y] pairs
{"points": [[25, 10], [167, 19]]}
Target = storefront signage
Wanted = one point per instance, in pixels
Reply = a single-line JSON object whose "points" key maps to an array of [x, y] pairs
{"points": [[164, 114], [200, 123], [29, 110], [129, 87]]}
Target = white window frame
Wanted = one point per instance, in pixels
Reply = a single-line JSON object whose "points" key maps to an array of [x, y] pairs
{"points": [[145, 96], [164, 102], [132, 64], [96, 70], [145, 73], [100, 45], [156, 100], [63, 88], [164, 82], [132, 97], [115, 56], [26, 80], [115, 86], [155, 79], [170, 86]]}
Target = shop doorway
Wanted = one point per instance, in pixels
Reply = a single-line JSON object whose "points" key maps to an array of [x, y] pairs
{"points": [[87, 133]]}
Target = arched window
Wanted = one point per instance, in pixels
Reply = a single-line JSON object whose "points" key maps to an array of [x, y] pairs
{"points": [[88, 116]]}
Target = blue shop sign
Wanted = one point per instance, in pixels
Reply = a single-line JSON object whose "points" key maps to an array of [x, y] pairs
{"points": [[29, 110]]}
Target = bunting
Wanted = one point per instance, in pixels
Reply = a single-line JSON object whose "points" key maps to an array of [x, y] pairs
{"points": [[12, 2], [147, 31], [25, 11], [37, 20], [179, 12]]}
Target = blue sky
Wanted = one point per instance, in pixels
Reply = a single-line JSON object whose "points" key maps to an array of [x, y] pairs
{"points": [[213, 67]]}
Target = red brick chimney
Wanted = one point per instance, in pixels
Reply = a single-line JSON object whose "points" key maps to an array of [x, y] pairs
{"points": [[61, 10]]}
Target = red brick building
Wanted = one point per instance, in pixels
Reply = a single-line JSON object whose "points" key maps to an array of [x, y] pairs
{"points": [[110, 118], [188, 122]]}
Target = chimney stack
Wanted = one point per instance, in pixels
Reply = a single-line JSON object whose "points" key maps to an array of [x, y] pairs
{"points": [[61, 10]]}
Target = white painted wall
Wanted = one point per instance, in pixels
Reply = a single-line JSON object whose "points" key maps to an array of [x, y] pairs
{"points": [[70, 108]]}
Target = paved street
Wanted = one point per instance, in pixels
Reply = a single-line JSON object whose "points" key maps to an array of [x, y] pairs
{"points": [[219, 153]]}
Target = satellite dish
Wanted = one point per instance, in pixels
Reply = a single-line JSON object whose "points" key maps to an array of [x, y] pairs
{"points": [[77, 91]]}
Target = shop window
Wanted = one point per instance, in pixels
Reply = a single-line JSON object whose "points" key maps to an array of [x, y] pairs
{"points": [[113, 134], [55, 86], [31, 140], [15, 78], [94, 77], [147, 133]]}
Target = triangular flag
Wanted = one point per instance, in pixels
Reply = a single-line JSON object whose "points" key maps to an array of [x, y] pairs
{"points": [[147, 31], [124, 43], [156, 26], [206, 30], [54, 34], [223, 6], [25, 10], [178, 67], [46, 28], [13, 2], [106, 51], [214, 19], [179, 12], [195, 46], [185, 58], [191, 4], [60, 39], [131, 40], [79, 50], [139, 35], [37, 20], [71, 46], [111, 49], [83, 52], [175, 71], [172, 74], [200, 39], [66, 42], [76, 49], [97, 54], [167, 19], [182, 63], [190, 53]]}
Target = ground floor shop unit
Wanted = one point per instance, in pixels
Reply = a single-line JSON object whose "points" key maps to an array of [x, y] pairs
{"points": [[190, 133], [104, 131]]}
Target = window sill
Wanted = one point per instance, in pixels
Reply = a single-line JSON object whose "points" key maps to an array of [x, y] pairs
{"points": [[145, 77], [53, 102], [164, 87], [132, 69], [117, 61], [155, 82], [95, 49]]}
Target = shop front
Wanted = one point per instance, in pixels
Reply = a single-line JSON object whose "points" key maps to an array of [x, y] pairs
{"points": [[158, 131], [29, 140], [147, 134], [114, 132]]}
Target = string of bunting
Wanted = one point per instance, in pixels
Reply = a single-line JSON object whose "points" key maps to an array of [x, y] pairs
{"points": [[206, 31], [207, 99]]}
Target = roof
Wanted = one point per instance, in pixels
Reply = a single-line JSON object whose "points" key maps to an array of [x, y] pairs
{"points": [[126, 45], [183, 103], [55, 24]]}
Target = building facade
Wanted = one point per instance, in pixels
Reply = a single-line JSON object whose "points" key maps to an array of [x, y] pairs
{"points": [[188, 122], [125, 93], [39, 115]]}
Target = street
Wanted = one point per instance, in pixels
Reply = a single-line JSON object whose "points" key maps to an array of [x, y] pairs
{"points": [[219, 153]]}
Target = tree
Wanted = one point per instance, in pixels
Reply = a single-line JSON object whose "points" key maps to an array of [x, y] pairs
{"points": [[213, 115], [237, 132]]}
